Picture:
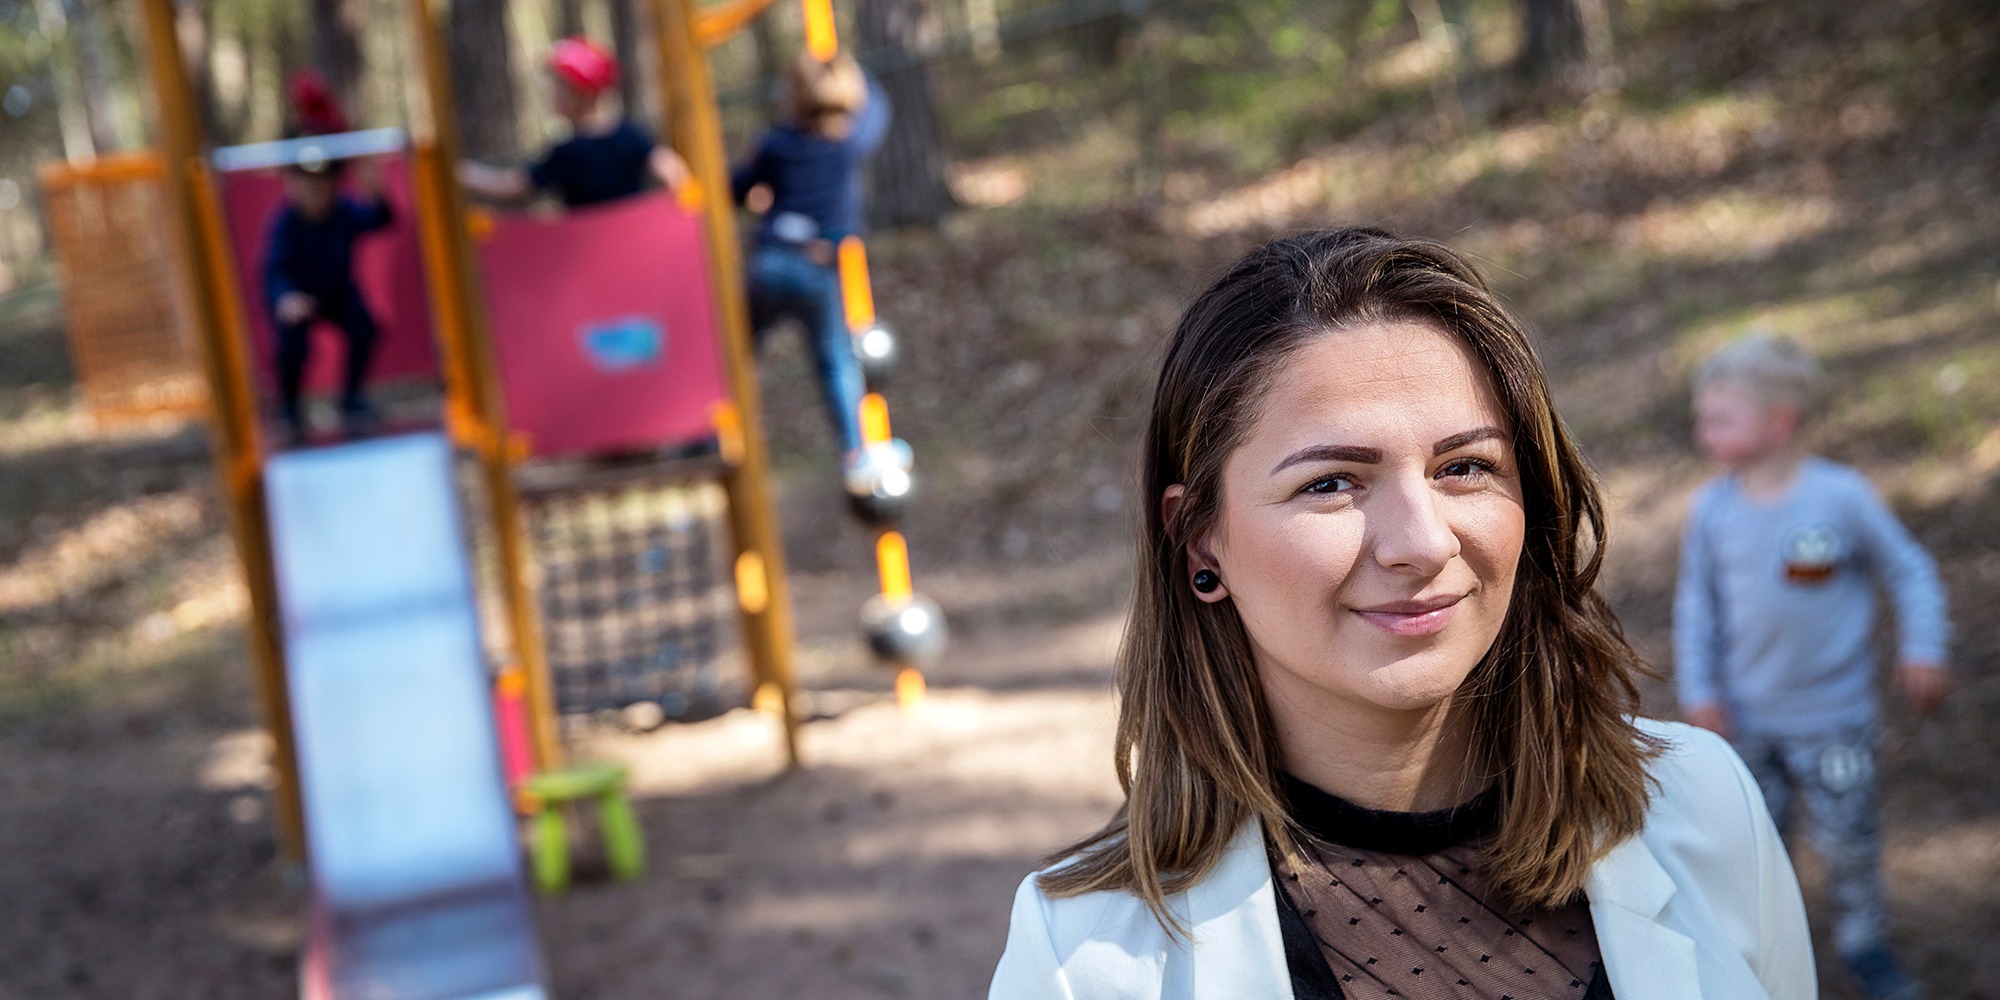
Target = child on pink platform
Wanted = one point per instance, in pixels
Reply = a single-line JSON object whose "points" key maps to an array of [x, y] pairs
{"points": [[605, 158]]}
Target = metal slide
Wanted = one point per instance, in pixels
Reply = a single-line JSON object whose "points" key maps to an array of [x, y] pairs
{"points": [[414, 862]]}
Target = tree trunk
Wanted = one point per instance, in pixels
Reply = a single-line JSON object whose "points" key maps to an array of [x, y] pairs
{"points": [[1472, 91], [1102, 39], [99, 79], [289, 44], [982, 22], [627, 36], [482, 77], [337, 29], [234, 115], [1436, 30], [908, 186], [71, 112], [569, 18], [1565, 38], [194, 24], [770, 69], [1149, 69]]}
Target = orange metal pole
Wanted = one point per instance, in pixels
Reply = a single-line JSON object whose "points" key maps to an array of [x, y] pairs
{"points": [[874, 419], [892, 552], [461, 417], [688, 95], [856, 293], [821, 39], [232, 404], [480, 381], [714, 25]]}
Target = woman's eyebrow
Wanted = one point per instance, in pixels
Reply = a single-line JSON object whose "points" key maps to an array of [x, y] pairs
{"points": [[1457, 441], [1330, 453]]}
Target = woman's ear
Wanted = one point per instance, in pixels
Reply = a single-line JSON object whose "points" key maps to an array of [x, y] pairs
{"points": [[1170, 504], [1205, 571]]}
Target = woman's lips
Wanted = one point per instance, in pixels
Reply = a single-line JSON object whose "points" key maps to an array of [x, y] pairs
{"points": [[1412, 619]]}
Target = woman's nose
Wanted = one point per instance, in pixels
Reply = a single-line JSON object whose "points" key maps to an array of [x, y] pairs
{"points": [[1410, 529]]}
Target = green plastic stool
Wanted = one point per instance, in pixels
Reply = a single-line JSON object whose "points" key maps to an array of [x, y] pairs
{"points": [[542, 797]]}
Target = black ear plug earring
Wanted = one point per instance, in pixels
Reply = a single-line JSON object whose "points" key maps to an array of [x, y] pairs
{"points": [[1205, 581]]}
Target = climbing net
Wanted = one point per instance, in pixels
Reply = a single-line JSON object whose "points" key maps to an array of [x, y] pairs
{"points": [[129, 330], [636, 599]]}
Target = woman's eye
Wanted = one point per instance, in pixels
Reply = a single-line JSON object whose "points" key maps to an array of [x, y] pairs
{"points": [[1464, 468], [1329, 484]]}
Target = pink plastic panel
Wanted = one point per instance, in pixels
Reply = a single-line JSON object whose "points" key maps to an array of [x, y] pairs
{"points": [[604, 327], [388, 265]]}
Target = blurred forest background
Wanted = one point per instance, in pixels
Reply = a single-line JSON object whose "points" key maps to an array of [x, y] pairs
{"points": [[1642, 179]]}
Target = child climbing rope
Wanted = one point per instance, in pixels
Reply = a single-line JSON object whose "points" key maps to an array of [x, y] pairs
{"points": [[605, 158], [806, 178], [309, 263]]}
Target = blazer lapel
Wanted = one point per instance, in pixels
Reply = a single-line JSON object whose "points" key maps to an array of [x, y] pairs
{"points": [[1238, 950], [1646, 959]]}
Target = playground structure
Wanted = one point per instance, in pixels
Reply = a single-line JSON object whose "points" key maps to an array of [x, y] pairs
{"points": [[131, 338], [400, 718]]}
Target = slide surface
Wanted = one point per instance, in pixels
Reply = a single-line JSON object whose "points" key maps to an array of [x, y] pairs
{"points": [[414, 861]]}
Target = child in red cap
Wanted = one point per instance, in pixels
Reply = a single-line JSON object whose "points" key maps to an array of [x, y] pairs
{"points": [[309, 263], [605, 157]]}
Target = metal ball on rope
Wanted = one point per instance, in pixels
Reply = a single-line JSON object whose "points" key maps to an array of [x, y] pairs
{"points": [[880, 484], [909, 631], [875, 349], [886, 507]]}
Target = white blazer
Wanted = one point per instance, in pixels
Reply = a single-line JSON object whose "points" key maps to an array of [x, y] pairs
{"points": [[1702, 903]]}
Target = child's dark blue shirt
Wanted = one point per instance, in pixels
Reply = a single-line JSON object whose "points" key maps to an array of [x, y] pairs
{"points": [[813, 176], [588, 169], [317, 258]]}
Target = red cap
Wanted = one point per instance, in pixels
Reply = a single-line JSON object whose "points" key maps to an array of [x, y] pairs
{"points": [[587, 68], [315, 110]]}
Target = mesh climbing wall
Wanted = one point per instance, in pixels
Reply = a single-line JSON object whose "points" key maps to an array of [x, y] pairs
{"points": [[131, 333], [637, 601]]}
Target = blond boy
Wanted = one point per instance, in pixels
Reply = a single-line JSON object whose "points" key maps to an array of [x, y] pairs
{"points": [[1773, 625]]}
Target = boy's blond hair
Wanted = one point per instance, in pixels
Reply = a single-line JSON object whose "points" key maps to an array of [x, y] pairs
{"points": [[826, 95], [1774, 368]]}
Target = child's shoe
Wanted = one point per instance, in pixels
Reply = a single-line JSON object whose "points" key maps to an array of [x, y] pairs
{"points": [[1881, 977], [292, 432], [358, 418], [864, 470], [292, 429]]}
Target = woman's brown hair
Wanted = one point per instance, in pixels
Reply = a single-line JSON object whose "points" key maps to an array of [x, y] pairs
{"points": [[1550, 704]]}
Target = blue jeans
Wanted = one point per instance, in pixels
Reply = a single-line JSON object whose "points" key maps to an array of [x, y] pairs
{"points": [[784, 282]]}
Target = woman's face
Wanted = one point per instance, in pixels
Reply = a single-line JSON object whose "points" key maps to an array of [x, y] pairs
{"points": [[1370, 523]]}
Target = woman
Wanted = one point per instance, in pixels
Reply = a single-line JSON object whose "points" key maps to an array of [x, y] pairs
{"points": [[1375, 727]]}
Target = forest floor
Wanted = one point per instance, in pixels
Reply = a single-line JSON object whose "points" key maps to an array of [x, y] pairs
{"points": [[1838, 190]]}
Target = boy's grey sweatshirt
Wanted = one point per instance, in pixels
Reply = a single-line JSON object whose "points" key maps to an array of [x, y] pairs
{"points": [[1776, 602]]}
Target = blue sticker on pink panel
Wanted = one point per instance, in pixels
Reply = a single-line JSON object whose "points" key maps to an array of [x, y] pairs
{"points": [[625, 343]]}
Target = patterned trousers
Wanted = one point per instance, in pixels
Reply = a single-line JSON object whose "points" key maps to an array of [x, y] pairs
{"points": [[1831, 779]]}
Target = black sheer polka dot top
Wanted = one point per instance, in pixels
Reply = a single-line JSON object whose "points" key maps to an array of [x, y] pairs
{"points": [[1389, 904]]}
